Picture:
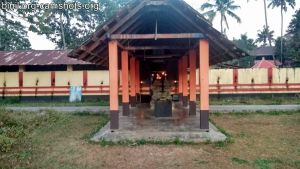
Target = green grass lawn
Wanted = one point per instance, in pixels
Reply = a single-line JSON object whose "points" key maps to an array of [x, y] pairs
{"points": [[213, 101], [255, 101], [60, 140], [39, 103]]}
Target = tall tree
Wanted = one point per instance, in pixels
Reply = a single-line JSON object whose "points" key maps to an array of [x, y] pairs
{"points": [[292, 38], [69, 28], [266, 20], [263, 36], [13, 34], [245, 43], [223, 8], [283, 4], [55, 24]]}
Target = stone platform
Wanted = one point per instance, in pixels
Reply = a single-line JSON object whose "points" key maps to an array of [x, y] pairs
{"points": [[159, 129]]}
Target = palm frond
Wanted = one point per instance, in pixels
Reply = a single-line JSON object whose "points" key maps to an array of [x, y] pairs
{"points": [[225, 20], [237, 18], [207, 6], [210, 15]]}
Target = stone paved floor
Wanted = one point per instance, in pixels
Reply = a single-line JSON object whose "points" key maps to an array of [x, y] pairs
{"points": [[144, 126]]}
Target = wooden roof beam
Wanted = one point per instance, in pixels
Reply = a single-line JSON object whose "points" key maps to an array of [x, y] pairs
{"points": [[156, 47], [157, 36], [200, 28], [114, 28]]}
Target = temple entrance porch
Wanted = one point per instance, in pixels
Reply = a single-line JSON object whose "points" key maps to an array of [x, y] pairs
{"points": [[162, 88], [167, 33], [142, 125]]}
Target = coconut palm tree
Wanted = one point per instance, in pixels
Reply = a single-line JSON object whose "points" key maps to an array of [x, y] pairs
{"points": [[264, 35], [266, 20], [283, 4], [222, 7]]}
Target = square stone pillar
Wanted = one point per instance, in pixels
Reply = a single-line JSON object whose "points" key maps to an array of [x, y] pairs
{"points": [[204, 84], [192, 65], [113, 84], [184, 81], [125, 85], [180, 79], [137, 80], [132, 82]]}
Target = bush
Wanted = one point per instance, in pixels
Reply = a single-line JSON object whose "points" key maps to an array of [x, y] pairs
{"points": [[6, 143], [15, 126]]}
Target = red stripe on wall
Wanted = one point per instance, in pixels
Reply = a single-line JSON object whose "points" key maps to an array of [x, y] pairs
{"points": [[52, 79], [235, 77], [270, 76], [21, 79], [85, 78]]}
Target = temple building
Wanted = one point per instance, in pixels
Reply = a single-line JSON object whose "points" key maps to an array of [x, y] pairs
{"points": [[157, 38]]}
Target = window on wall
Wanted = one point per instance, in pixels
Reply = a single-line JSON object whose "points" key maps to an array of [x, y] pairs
{"points": [[45, 68], [9, 68]]}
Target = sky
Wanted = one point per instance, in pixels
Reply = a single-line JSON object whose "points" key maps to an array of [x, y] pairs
{"points": [[251, 14]]}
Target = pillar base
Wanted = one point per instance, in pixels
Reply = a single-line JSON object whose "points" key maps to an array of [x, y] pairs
{"points": [[138, 98], [132, 101], [192, 108], [204, 119], [180, 97], [125, 109], [185, 101], [114, 119]]}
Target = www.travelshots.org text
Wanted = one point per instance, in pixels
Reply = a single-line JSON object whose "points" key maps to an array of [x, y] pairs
{"points": [[46, 6]]}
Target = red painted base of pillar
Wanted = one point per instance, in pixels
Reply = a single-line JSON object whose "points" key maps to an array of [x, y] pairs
{"points": [[192, 108], [114, 119], [204, 120], [126, 109]]}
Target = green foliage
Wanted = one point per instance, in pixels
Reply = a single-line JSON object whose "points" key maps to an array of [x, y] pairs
{"points": [[13, 129], [13, 34], [6, 143], [282, 4], [222, 7], [245, 43], [69, 28], [262, 163], [25, 154], [239, 161], [291, 41], [264, 35]]}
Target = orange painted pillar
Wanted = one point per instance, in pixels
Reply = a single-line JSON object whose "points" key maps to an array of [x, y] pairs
{"points": [[113, 84], [125, 85], [204, 84], [184, 81], [192, 65], [132, 82], [137, 79], [180, 79]]}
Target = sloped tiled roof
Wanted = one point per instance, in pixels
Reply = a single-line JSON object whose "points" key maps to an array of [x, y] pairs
{"points": [[38, 57]]}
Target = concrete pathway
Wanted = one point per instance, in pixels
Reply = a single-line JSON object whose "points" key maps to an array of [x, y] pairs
{"points": [[213, 108]]}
